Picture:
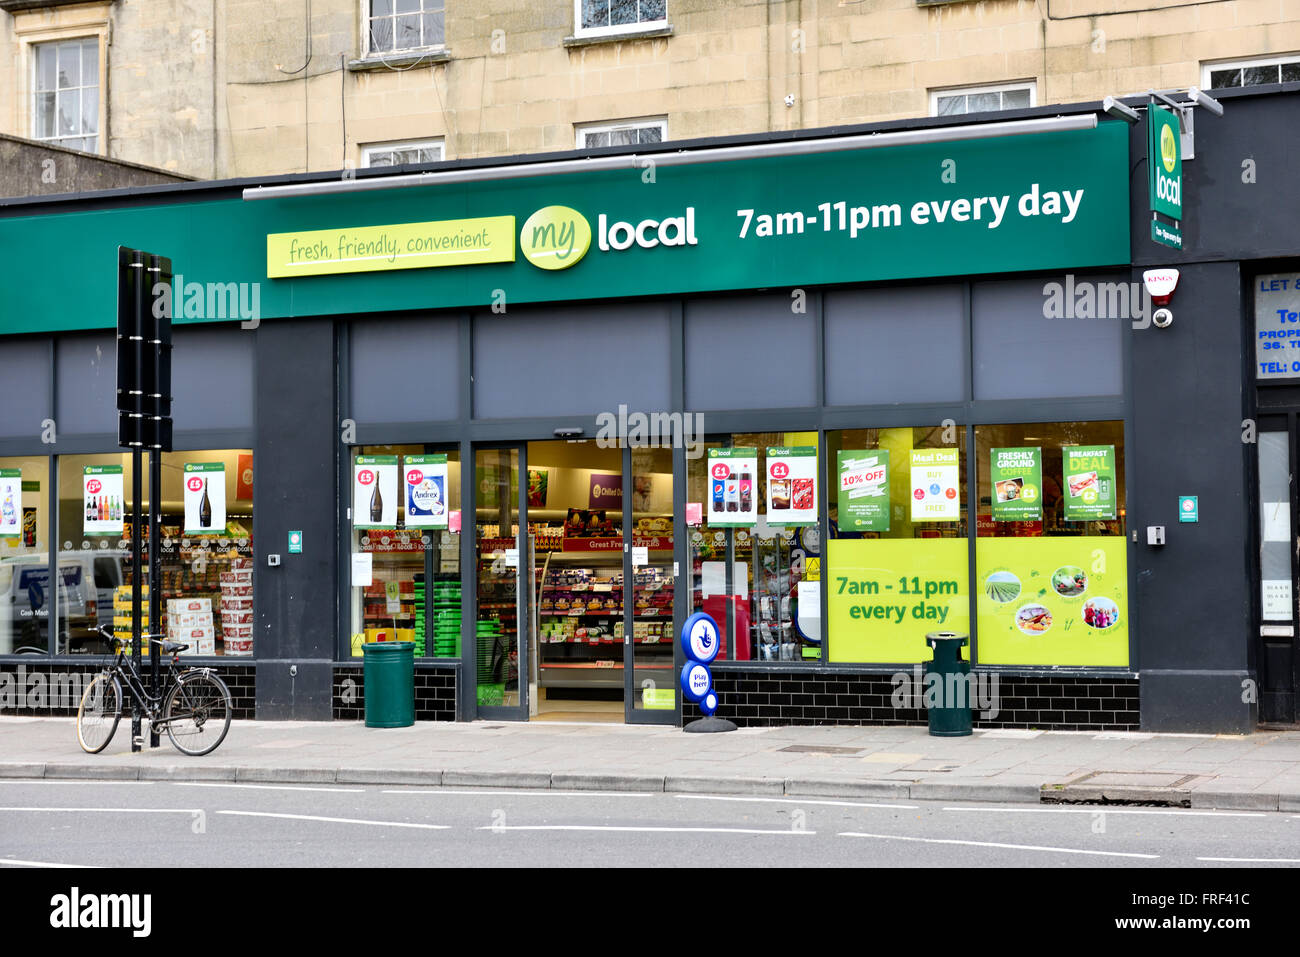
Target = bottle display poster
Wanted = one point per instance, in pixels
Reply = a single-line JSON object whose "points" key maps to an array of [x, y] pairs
{"points": [[935, 495], [792, 485], [864, 490], [11, 502], [732, 494], [424, 482], [102, 498], [1017, 480], [374, 491], [205, 498], [1089, 472]]}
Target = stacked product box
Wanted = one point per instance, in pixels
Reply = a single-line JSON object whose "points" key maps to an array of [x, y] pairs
{"points": [[122, 598], [189, 621], [237, 607]]}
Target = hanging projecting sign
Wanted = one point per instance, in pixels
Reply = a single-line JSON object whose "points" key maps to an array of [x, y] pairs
{"points": [[205, 498], [731, 487], [1165, 177], [792, 485], [11, 502], [1089, 482], [102, 498], [1017, 479], [374, 491], [935, 495], [424, 478], [864, 490]]}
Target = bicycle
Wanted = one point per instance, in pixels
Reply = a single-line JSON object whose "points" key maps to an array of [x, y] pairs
{"points": [[192, 704]]}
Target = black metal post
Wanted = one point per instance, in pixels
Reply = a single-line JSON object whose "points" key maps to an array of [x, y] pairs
{"points": [[155, 574], [136, 575]]}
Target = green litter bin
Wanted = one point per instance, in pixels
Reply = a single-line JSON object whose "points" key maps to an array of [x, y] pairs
{"points": [[948, 707], [389, 683]]}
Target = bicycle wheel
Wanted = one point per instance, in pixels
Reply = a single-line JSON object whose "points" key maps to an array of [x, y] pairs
{"points": [[99, 712], [197, 713]]}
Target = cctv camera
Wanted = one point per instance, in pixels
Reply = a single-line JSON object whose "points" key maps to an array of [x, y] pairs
{"points": [[789, 99], [1162, 318]]}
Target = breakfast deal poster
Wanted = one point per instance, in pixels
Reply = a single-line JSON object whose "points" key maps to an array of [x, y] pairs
{"points": [[102, 497], [792, 485], [1089, 482], [205, 497], [864, 490], [11, 502], [1017, 477], [935, 496], [374, 491], [732, 479], [424, 481]]}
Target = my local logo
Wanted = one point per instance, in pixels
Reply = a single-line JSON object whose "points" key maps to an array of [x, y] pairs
{"points": [[555, 237]]}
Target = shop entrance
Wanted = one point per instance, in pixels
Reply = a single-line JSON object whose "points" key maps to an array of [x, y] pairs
{"points": [[1278, 660], [561, 528]]}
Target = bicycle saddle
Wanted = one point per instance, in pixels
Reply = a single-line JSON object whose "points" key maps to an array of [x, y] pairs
{"points": [[169, 647]]}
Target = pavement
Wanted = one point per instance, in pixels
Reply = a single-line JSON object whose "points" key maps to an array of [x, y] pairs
{"points": [[1259, 771]]}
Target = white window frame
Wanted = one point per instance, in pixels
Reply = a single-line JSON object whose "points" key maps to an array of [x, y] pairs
{"points": [[606, 126], [367, 52], [641, 26], [368, 148], [1011, 87], [1213, 67]]}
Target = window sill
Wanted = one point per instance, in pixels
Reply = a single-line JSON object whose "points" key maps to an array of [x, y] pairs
{"points": [[16, 6], [631, 34], [399, 61]]}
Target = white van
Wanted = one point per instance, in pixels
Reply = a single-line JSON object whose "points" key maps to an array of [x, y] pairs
{"points": [[89, 578]]}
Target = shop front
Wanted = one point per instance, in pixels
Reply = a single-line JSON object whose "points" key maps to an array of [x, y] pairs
{"points": [[838, 393]]}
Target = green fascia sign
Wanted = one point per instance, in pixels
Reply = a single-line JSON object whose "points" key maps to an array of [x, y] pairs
{"points": [[1054, 200], [1164, 163]]}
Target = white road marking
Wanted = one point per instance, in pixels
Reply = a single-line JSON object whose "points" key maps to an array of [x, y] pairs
{"points": [[789, 800], [480, 792], [265, 787], [1105, 809], [16, 863], [111, 810], [339, 820], [1253, 860], [99, 781], [648, 829], [1013, 847]]}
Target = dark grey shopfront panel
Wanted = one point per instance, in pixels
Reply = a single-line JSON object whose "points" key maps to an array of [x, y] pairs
{"points": [[212, 378], [571, 360], [404, 370], [85, 370], [886, 346], [751, 352], [27, 387], [1020, 353]]}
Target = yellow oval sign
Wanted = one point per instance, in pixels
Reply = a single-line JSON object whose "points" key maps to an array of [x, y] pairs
{"points": [[1168, 148], [555, 237]]}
